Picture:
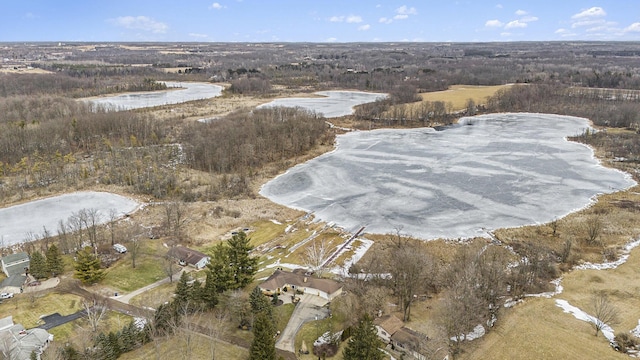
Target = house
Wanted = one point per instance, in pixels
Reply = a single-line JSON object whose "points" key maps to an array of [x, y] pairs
{"points": [[17, 343], [409, 342], [392, 331], [13, 284], [186, 256], [280, 281], [386, 326], [15, 263]]}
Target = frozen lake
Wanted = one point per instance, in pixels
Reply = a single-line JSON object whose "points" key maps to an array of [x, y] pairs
{"points": [[488, 172], [16, 222], [332, 104], [189, 91]]}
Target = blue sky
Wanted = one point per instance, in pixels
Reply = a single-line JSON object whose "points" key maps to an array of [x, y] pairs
{"points": [[318, 20]]}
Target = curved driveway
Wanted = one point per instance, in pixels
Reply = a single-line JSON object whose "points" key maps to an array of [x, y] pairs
{"points": [[309, 308]]}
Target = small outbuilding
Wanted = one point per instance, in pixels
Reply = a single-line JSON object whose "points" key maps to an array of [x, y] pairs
{"points": [[280, 280], [186, 256], [15, 264]]}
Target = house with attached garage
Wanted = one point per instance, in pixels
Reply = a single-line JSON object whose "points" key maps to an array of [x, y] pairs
{"points": [[15, 264], [283, 281], [186, 256], [17, 343], [392, 331]]}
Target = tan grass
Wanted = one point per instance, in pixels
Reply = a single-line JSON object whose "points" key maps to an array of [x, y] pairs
{"points": [[27, 309]]}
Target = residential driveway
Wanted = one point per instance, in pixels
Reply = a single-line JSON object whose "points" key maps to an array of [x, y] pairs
{"points": [[309, 308], [56, 319], [126, 298]]}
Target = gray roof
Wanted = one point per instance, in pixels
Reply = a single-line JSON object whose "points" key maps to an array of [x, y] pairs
{"points": [[281, 278], [190, 256], [14, 280], [11, 258]]}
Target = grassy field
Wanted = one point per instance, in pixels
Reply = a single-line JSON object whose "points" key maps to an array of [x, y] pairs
{"points": [[27, 309], [457, 95], [123, 277], [202, 347]]}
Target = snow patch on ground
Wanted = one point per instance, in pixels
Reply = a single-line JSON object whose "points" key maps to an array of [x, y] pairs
{"points": [[636, 330], [477, 332], [606, 330], [613, 264], [276, 222], [358, 253], [549, 294], [281, 264]]}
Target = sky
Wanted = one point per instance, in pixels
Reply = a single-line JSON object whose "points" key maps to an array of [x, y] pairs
{"points": [[319, 20]]}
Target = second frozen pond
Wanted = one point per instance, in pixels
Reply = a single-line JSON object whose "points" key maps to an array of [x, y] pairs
{"points": [[332, 103], [489, 172]]}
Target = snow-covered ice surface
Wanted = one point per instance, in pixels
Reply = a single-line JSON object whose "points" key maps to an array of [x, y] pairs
{"points": [[487, 172], [606, 330], [334, 104], [189, 91], [358, 253], [17, 222]]}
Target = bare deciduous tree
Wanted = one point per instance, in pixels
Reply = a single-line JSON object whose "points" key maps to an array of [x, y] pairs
{"points": [[315, 256], [95, 308], [593, 227], [604, 312]]}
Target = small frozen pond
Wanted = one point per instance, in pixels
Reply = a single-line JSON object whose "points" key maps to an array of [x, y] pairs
{"points": [[333, 104], [489, 172], [16, 222], [189, 91]]}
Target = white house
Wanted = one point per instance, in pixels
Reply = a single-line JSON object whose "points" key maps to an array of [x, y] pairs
{"points": [[17, 343]]}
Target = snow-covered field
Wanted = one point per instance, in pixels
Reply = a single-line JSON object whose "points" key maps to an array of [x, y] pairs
{"points": [[488, 172], [189, 91], [18, 222], [334, 104]]}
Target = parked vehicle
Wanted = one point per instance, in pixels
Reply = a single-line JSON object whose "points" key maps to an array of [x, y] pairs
{"points": [[120, 248], [34, 283], [6, 295]]}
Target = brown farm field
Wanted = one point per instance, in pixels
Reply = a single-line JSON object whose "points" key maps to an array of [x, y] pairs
{"points": [[457, 95]]}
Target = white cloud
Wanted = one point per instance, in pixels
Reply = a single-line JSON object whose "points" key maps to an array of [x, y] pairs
{"points": [[352, 19], [595, 11], [196, 35], [561, 31], [331, 39], [505, 34], [385, 20], [515, 24], [499, 6], [31, 16], [404, 10], [378, 5], [401, 16], [635, 27], [493, 23], [364, 27], [521, 12], [587, 23], [140, 23], [529, 19], [216, 6]]}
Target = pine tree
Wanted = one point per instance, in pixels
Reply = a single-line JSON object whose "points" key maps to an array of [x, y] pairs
{"points": [[259, 302], [209, 296], [244, 266], [183, 291], [263, 346], [364, 343], [88, 267], [38, 265], [219, 271], [54, 260]]}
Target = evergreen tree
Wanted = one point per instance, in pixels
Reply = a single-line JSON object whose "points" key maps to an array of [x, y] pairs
{"points": [[183, 291], [54, 260], [209, 296], [38, 265], [244, 266], [364, 343], [219, 271], [259, 302], [263, 346], [88, 267], [68, 352]]}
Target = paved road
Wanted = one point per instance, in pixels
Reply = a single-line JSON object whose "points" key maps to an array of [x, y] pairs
{"points": [[126, 298], [56, 319], [309, 308]]}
